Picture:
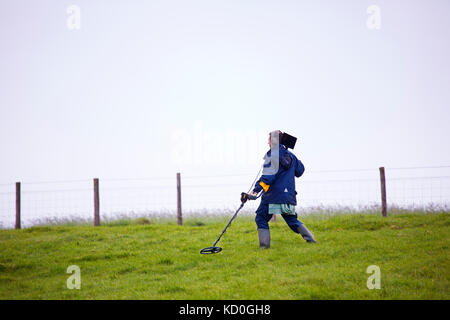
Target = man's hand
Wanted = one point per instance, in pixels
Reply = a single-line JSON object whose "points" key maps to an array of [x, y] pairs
{"points": [[252, 194], [248, 196]]}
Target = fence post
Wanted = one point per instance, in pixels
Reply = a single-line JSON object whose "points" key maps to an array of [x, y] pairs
{"points": [[96, 203], [179, 217], [383, 192], [18, 205]]}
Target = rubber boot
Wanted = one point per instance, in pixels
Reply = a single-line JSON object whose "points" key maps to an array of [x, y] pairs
{"points": [[306, 234], [264, 238]]}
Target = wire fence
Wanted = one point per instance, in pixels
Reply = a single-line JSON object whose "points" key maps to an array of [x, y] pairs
{"points": [[414, 188]]}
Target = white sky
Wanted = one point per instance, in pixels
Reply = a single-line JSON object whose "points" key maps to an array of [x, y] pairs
{"points": [[111, 100]]}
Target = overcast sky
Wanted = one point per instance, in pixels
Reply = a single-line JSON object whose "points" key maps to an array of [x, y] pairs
{"points": [[141, 87]]}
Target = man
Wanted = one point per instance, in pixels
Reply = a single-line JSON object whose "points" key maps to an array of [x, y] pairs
{"points": [[279, 197]]}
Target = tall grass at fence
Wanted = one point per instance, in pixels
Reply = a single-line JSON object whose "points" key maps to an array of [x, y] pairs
{"points": [[204, 216]]}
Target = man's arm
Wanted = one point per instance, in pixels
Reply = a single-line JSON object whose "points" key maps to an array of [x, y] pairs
{"points": [[264, 183], [299, 169]]}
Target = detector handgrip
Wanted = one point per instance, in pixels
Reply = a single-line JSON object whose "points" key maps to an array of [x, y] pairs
{"points": [[246, 196]]}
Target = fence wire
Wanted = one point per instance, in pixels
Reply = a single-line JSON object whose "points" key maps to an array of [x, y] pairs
{"points": [[424, 188]]}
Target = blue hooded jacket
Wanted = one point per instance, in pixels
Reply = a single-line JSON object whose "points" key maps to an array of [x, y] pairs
{"points": [[280, 187]]}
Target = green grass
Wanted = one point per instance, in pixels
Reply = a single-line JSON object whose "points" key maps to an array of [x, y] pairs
{"points": [[141, 260]]}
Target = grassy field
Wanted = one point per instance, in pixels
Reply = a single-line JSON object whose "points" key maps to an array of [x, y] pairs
{"points": [[141, 260]]}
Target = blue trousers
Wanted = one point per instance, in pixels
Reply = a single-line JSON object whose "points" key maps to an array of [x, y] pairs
{"points": [[263, 217]]}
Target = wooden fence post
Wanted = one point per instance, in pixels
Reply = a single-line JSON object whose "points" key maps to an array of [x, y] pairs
{"points": [[18, 224], [179, 216], [96, 203], [383, 192]]}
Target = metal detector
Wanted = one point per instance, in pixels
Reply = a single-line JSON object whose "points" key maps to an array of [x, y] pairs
{"points": [[214, 249]]}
